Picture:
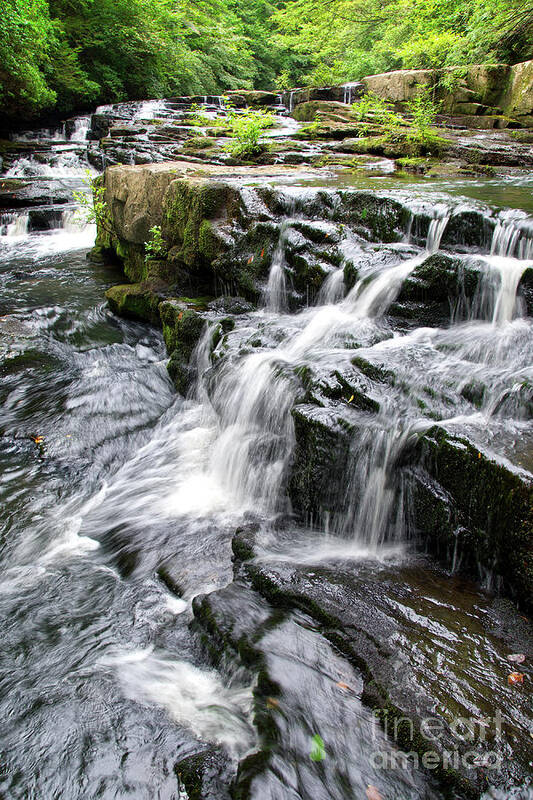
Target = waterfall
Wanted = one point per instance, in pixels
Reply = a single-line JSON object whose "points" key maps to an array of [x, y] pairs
{"points": [[511, 253], [250, 456], [275, 294], [291, 100], [437, 226], [14, 224], [513, 236], [149, 109], [510, 271], [81, 128], [373, 486], [332, 290], [348, 91]]}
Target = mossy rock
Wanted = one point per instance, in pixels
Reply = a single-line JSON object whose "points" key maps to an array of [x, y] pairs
{"points": [[378, 218], [469, 228], [191, 210], [485, 512], [416, 166], [525, 291], [523, 136], [442, 279], [206, 775], [135, 301], [307, 112], [199, 143], [319, 461], [182, 327], [401, 145]]}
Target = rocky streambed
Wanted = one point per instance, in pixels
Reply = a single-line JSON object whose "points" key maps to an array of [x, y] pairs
{"points": [[297, 557]]}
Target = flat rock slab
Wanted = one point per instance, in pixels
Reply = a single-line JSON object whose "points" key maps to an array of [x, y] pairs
{"points": [[430, 652]]}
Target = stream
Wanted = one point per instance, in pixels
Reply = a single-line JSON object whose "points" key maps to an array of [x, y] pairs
{"points": [[120, 499]]}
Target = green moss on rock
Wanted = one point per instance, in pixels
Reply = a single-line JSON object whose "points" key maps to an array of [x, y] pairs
{"points": [[136, 301], [492, 508]]}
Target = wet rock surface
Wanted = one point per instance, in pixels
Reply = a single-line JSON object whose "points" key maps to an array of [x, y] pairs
{"points": [[350, 343], [364, 618]]}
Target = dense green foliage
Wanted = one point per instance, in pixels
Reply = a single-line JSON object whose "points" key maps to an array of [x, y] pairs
{"points": [[63, 55], [333, 41]]}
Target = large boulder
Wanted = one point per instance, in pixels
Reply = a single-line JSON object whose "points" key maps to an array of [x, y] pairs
{"points": [[478, 89], [401, 85], [517, 99], [308, 111]]}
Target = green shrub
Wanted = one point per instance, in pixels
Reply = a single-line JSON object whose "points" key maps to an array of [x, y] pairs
{"points": [[424, 111], [246, 129], [92, 205], [283, 81], [372, 108]]}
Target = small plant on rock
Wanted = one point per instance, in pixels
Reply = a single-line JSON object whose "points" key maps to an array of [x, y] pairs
{"points": [[155, 247], [246, 128], [424, 111], [372, 108], [311, 129], [92, 205]]}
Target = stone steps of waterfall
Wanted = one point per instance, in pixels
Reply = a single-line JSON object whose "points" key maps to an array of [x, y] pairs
{"points": [[16, 193], [484, 122], [474, 109], [127, 130]]}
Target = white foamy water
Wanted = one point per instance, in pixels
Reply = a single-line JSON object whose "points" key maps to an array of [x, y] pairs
{"points": [[81, 129], [14, 224], [41, 244], [193, 697], [275, 294], [149, 109]]}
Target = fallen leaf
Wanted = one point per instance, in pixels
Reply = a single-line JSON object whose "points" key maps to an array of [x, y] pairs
{"points": [[180, 315], [372, 793], [515, 678], [272, 702], [38, 439], [250, 260], [516, 658], [342, 685], [351, 398], [479, 455], [262, 252]]}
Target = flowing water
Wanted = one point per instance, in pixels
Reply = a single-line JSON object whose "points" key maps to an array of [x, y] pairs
{"points": [[120, 500]]}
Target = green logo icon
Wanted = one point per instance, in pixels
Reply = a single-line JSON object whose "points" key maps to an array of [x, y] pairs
{"points": [[318, 752]]}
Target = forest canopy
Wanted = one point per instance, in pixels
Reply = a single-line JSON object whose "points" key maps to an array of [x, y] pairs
{"points": [[64, 55]]}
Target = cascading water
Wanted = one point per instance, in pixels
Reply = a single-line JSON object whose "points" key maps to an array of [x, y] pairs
{"points": [[349, 91], [332, 290], [122, 501], [275, 294], [512, 236], [80, 129], [14, 224], [511, 254], [437, 227]]}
